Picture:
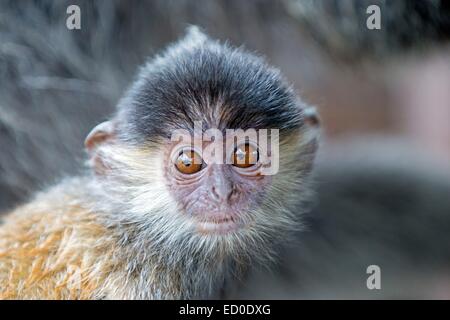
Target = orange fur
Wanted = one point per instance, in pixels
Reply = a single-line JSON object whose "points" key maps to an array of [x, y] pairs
{"points": [[53, 248]]}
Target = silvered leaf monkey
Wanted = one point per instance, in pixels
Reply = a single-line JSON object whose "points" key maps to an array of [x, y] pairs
{"points": [[153, 220]]}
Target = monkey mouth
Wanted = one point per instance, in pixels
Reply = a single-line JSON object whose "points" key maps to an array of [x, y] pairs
{"points": [[218, 225]]}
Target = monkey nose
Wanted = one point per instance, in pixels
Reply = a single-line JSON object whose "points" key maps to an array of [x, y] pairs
{"points": [[222, 192]]}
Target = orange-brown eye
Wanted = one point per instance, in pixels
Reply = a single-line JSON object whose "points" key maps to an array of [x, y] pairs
{"points": [[245, 156], [189, 162]]}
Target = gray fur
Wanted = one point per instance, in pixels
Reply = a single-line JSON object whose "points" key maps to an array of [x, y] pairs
{"points": [[56, 85]]}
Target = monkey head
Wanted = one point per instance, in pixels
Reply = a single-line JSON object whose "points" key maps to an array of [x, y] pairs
{"points": [[153, 159]]}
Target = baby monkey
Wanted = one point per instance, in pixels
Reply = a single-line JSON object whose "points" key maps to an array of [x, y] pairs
{"points": [[155, 217]]}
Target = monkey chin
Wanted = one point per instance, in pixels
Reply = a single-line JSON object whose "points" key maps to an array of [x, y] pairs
{"points": [[222, 225]]}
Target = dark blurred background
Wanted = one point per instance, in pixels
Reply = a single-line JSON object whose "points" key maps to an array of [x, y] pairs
{"points": [[383, 174]]}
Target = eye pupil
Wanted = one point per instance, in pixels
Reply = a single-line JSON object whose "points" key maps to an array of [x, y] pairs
{"points": [[189, 162], [240, 154], [185, 159], [245, 156]]}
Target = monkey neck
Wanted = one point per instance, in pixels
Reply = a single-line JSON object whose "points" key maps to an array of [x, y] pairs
{"points": [[165, 267], [177, 274]]}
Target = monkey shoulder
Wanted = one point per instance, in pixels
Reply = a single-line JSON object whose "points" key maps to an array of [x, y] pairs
{"points": [[55, 247]]}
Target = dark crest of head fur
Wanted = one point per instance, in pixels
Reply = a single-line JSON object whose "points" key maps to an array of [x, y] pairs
{"points": [[199, 78]]}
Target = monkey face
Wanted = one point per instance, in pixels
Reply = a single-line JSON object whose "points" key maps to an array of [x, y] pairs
{"points": [[181, 186], [177, 192], [217, 195]]}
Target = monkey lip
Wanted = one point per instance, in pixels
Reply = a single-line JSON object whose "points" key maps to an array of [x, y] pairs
{"points": [[218, 225]]}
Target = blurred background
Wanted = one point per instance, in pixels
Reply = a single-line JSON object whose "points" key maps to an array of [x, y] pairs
{"points": [[383, 174]]}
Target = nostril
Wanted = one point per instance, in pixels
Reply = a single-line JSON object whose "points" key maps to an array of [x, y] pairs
{"points": [[232, 194], [222, 193], [214, 193]]}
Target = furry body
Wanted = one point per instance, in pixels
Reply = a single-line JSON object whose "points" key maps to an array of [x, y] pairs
{"points": [[62, 250], [53, 249], [122, 231]]}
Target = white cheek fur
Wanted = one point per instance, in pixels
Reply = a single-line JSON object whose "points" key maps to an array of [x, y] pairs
{"points": [[142, 187]]}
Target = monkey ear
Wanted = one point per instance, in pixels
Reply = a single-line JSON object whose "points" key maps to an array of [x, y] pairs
{"points": [[101, 133], [311, 117], [312, 122]]}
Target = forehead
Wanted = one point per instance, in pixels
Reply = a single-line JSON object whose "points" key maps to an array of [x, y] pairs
{"points": [[222, 87]]}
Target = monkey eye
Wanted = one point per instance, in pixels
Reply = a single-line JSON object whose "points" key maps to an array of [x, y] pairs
{"points": [[189, 162], [245, 156]]}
